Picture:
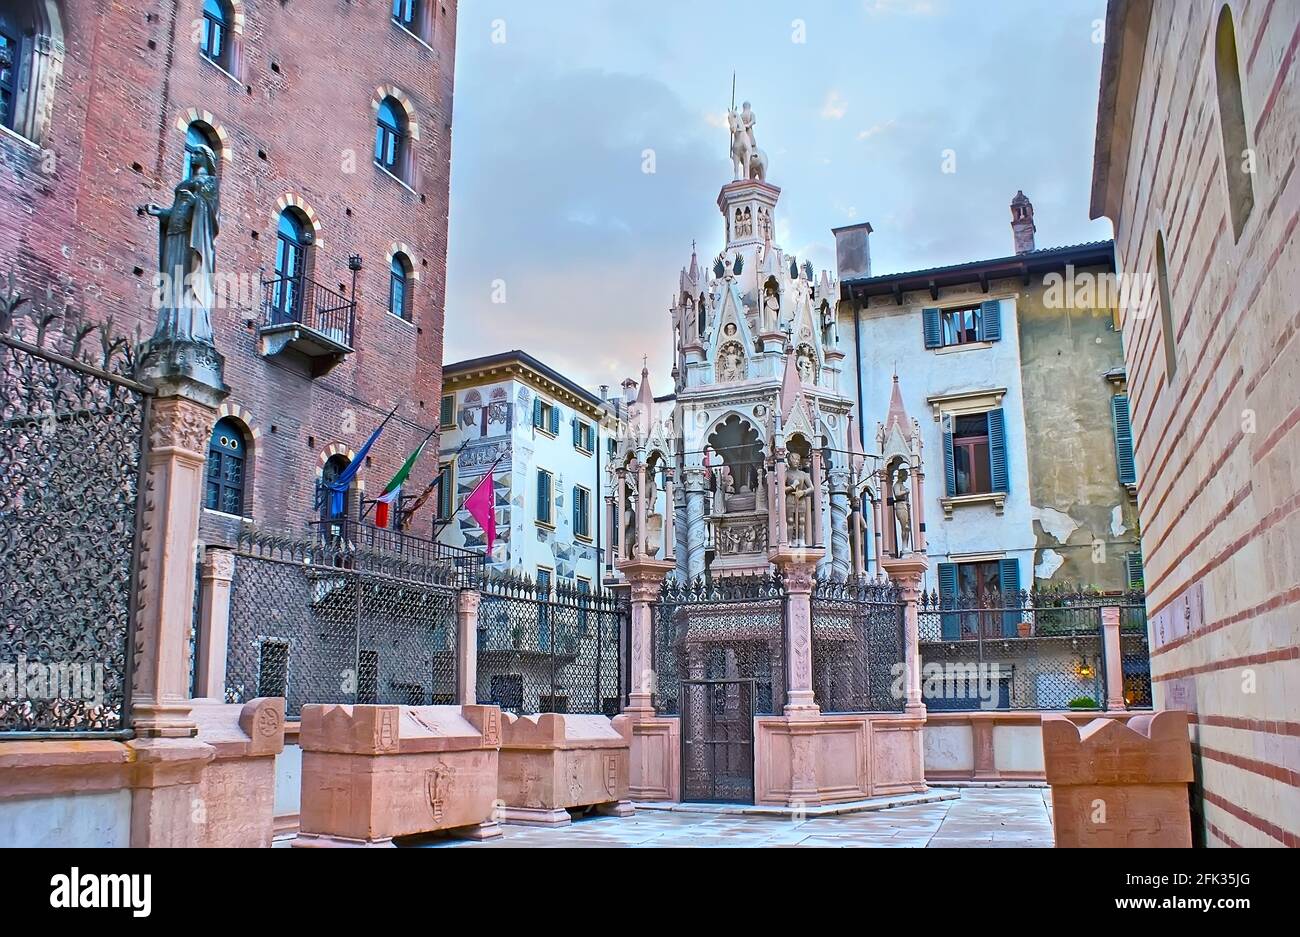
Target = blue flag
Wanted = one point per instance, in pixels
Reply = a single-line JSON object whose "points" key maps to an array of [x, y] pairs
{"points": [[339, 489]]}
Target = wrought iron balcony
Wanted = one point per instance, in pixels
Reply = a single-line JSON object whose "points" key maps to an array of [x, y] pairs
{"points": [[346, 536], [303, 317]]}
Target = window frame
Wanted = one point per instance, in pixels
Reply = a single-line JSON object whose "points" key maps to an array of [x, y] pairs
{"points": [[585, 437], [549, 520], [399, 280], [965, 335], [216, 464], [447, 404], [391, 138], [585, 533], [10, 87], [970, 446], [445, 510], [222, 29], [542, 418]]}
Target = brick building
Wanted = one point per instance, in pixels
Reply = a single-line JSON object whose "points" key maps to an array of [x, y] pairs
{"points": [[331, 123], [1195, 166]]}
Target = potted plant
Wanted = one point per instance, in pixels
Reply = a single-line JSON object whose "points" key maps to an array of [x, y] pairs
{"points": [[1025, 628], [1083, 702]]}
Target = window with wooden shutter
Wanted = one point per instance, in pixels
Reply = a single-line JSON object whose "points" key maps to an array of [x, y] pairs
{"points": [[949, 456], [1123, 440], [990, 324], [998, 474], [931, 328], [581, 512], [1133, 563], [555, 420], [544, 498], [447, 411], [537, 413], [1009, 586], [950, 622], [446, 492]]}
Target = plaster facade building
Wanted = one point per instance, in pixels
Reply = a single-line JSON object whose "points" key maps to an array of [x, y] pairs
{"points": [[1195, 166], [547, 441], [330, 126]]}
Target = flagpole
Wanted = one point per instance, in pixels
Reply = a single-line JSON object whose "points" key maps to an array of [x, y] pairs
{"points": [[491, 469], [320, 500]]}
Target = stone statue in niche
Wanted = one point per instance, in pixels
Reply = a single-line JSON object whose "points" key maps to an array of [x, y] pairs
{"points": [[771, 307], [722, 486], [629, 514], [805, 366], [902, 510], [760, 489], [764, 223], [798, 500], [731, 362], [689, 321], [829, 335]]}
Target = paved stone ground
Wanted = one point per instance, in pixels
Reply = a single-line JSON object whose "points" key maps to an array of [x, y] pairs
{"points": [[983, 817]]}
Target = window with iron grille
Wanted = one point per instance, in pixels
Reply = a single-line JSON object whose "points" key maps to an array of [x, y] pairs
{"points": [[273, 668], [508, 691], [581, 512], [225, 470], [545, 498], [368, 677], [214, 33]]}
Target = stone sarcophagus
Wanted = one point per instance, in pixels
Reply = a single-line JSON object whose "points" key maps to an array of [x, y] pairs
{"points": [[372, 773], [552, 763], [237, 791], [1117, 784]]}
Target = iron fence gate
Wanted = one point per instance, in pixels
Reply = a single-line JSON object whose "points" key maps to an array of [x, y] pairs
{"points": [[319, 621], [72, 424], [858, 646], [717, 726], [1037, 650], [729, 628], [549, 649]]}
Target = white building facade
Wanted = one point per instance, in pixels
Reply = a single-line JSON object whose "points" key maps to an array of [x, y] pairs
{"points": [[547, 441]]}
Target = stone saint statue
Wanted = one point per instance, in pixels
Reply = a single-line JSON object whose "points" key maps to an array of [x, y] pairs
{"points": [[771, 307], [804, 365], [760, 489], [186, 252], [798, 495], [629, 519], [902, 510], [721, 488]]}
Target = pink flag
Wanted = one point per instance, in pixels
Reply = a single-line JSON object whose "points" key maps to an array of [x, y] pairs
{"points": [[481, 505]]}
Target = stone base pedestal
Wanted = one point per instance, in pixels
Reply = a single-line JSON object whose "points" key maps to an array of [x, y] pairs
{"points": [[372, 773], [237, 793], [1117, 784], [812, 761], [655, 766], [551, 763]]}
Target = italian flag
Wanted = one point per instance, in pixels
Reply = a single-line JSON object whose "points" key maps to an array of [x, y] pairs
{"points": [[393, 490]]}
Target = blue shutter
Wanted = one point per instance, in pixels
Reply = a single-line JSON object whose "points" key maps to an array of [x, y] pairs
{"points": [[950, 621], [949, 460], [577, 430], [931, 327], [577, 512], [1123, 440], [555, 420], [998, 451], [991, 321], [1134, 563], [537, 412], [1009, 584], [544, 497]]}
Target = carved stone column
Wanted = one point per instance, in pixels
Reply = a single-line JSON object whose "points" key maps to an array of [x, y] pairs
{"points": [[797, 568], [680, 548], [908, 572], [211, 643], [1112, 654], [841, 561], [695, 527], [645, 579], [855, 528]]}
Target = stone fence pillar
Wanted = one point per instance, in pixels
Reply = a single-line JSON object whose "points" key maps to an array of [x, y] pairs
{"points": [[467, 606], [211, 642], [908, 572], [1112, 654]]}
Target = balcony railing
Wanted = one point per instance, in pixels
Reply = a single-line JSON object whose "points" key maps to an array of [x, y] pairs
{"points": [[350, 535], [300, 314]]}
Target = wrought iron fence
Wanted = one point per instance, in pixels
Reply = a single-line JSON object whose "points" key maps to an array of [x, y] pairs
{"points": [[857, 646], [347, 534], [317, 621], [1039, 650], [553, 649], [729, 628], [72, 427], [1135, 653]]}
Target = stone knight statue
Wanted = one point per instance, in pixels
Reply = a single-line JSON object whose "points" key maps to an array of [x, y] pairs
{"points": [[902, 510], [798, 495]]}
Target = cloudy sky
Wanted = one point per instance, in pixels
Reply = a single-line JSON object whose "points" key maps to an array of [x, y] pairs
{"points": [[558, 102]]}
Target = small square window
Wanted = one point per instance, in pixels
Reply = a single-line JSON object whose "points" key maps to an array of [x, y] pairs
{"points": [[447, 411]]}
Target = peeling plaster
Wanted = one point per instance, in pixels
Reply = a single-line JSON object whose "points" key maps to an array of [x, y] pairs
{"points": [[1055, 523], [1117, 527], [1051, 562]]}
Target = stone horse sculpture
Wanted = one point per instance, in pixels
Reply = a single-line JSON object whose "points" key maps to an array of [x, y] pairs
{"points": [[747, 160]]}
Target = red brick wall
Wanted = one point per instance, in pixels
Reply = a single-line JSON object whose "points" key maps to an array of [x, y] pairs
{"points": [[1218, 445], [307, 77]]}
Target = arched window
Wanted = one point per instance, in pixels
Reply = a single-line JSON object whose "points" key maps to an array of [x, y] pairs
{"points": [[399, 282], [1238, 161], [227, 453], [330, 508], [292, 238], [407, 13], [31, 43], [1166, 309], [214, 33], [199, 134], [390, 136]]}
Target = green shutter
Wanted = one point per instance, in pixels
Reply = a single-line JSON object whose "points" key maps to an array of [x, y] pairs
{"points": [[950, 621], [949, 459], [1009, 584], [1123, 439], [931, 328], [1136, 580], [998, 451], [447, 411], [990, 329], [544, 496], [555, 420], [537, 412], [577, 433], [577, 511]]}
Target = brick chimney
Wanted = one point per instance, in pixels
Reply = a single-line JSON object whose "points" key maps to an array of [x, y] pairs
{"points": [[1022, 223]]}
